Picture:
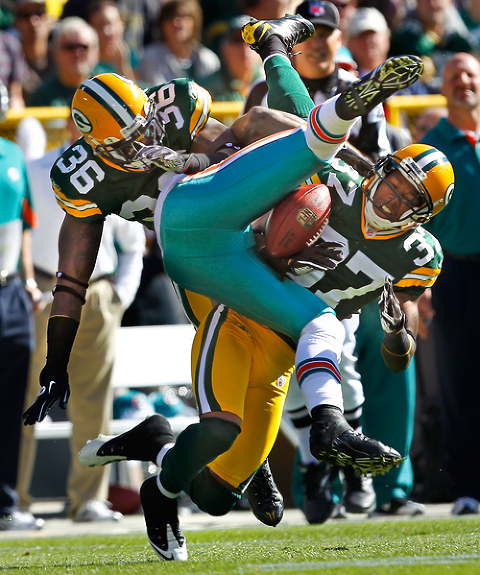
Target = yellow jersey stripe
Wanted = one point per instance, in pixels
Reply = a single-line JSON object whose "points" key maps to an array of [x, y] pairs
{"points": [[415, 282], [83, 211], [78, 203], [424, 272]]}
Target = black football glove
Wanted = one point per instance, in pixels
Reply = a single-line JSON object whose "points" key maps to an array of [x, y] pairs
{"points": [[162, 157], [392, 317], [321, 256], [54, 388]]}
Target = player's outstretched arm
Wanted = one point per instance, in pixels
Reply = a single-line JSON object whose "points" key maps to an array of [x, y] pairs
{"points": [[399, 319], [78, 248], [216, 142]]}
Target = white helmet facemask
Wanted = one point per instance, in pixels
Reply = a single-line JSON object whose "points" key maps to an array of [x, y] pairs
{"points": [[383, 223], [412, 215]]}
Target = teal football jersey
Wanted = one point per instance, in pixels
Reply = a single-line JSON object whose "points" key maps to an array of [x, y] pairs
{"points": [[88, 187], [413, 259]]}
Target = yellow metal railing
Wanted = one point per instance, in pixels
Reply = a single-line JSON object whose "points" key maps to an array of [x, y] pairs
{"points": [[53, 119], [400, 107], [401, 111]]}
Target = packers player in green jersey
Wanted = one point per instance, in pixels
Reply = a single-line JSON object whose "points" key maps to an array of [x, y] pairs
{"points": [[252, 176]]}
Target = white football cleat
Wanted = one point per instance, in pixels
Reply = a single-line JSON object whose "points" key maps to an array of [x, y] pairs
{"points": [[161, 519], [90, 457], [141, 443], [175, 547]]}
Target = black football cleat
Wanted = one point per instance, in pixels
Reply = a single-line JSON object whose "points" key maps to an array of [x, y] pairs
{"points": [[375, 87], [264, 498], [161, 519], [291, 29], [141, 443], [317, 502], [334, 441], [359, 492]]}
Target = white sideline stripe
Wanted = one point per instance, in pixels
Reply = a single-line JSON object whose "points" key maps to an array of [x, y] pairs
{"points": [[388, 561]]}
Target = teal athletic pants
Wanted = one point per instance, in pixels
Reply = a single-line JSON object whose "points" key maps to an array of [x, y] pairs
{"points": [[208, 245]]}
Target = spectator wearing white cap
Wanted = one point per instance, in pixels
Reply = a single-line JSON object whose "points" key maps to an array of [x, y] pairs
{"points": [[369, 39], [369, 43]]}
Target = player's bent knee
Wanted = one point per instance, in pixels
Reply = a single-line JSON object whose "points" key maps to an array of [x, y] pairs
{"points": [[211, 496], [217, 435], [221, 430]]}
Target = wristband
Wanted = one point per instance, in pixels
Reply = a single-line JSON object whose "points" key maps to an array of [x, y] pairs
{"points": [[398, 343], [195, 163], [64, 276], [61, 332], [60, 287]]}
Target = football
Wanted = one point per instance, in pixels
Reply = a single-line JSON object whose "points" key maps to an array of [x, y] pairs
{"points": [[124, 499], [298, 220]]}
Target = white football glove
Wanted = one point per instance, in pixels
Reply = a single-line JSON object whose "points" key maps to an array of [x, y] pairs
{"points": [[392, 317], [162, 157]]}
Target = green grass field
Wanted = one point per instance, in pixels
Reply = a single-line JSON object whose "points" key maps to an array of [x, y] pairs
{"points": [[433, 547]]}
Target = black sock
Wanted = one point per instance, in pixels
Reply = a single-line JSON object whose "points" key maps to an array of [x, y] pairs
{"points": [[274, 45]]}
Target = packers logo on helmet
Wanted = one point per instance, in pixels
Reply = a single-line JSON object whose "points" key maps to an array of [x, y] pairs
{"points": [[116, 118], [82, 122], [427, 169]]}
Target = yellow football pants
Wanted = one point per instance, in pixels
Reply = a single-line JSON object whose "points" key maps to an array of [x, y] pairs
{"points": [[241, 367]]}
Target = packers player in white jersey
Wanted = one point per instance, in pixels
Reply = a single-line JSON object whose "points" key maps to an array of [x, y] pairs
{"points": [[326, 130]]}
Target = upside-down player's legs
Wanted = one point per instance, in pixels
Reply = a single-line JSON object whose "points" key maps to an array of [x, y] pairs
{"points": [[202, 224]]}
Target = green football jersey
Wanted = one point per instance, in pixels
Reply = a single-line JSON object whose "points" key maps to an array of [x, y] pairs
{"points": [[88, 187], [412, 259]]}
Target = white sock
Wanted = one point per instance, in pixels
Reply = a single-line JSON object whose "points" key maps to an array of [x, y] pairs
{"points": [[317, 361], [326, 131], [162, 452], [164, 491]]}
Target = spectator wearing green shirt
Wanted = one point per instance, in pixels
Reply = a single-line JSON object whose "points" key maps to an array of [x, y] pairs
{"points": [[434, 31], [240, 66], [455, 294], [75, 53]]}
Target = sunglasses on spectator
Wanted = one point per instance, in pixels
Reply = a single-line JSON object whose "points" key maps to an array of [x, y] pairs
{"points": [[74, 47], [29, 15]]}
